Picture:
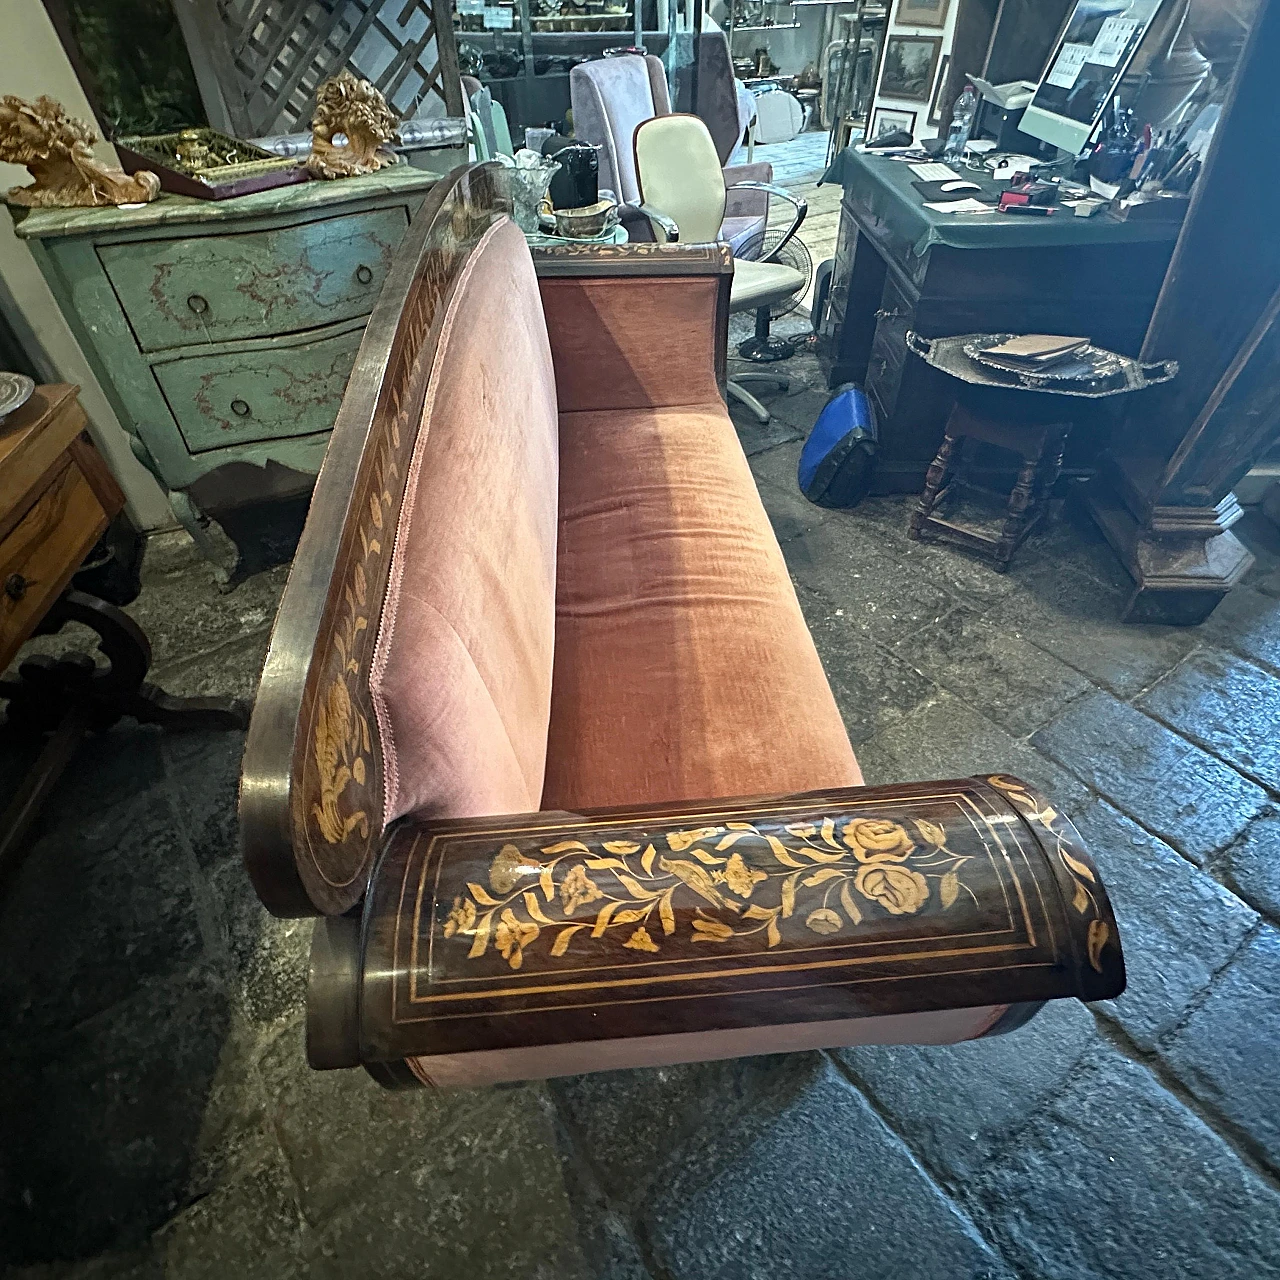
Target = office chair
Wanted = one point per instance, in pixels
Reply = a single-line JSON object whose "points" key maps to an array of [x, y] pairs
{"points": [[679, 175]]}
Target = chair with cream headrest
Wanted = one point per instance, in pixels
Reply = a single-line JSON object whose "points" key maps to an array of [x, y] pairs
{"points": [[612, 96], [678, 173]]}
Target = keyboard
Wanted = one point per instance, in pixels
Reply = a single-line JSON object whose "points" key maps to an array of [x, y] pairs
{"points": [[933, 172]]}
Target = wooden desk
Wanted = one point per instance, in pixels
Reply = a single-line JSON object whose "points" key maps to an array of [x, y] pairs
{"points": [[901, 267]]}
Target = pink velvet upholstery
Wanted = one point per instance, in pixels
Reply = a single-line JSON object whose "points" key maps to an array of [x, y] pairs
{"points": [[462, 669], [683, 665]]}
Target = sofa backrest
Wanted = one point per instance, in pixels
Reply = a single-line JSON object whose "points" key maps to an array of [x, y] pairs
{"points": [[461, 677], [445, 370]]}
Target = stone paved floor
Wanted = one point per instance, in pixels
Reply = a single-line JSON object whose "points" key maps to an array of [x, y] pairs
{"points": [[157, 1118]]}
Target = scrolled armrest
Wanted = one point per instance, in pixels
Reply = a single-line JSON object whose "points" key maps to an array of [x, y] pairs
{"points": [[550, 943]]}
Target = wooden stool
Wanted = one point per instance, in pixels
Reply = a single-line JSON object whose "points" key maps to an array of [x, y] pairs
{"points": [[1040, 445]]}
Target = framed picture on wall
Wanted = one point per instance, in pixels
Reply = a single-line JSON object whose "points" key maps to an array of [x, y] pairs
{"points": [[910, 64], [890, 120], [939, 91], [922, 13]]}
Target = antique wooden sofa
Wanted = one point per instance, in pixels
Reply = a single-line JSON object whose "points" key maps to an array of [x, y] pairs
{"points": [[537, 662]]}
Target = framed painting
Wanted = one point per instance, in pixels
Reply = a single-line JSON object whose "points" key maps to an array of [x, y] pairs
{"points": [[890, 120], [910, 65], [922, 13]]}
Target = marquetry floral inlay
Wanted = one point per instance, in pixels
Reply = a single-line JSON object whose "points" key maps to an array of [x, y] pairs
{"points": [[1085, 897], [709, 885], [341, 746]]}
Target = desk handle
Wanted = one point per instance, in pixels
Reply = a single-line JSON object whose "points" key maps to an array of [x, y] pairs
{"points": [[198, 304], [882, 314], [364, 274]]}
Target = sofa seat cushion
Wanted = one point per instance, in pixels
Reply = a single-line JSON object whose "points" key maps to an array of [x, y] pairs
{"points": [[683, 666], [461, 677]]}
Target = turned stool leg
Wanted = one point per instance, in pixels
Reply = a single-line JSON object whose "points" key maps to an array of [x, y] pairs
{"points": [[1028, 493], [934, 481]]}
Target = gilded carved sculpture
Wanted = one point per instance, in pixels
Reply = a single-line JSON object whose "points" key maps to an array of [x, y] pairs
{"points": [[57, 149], [353, 108]]}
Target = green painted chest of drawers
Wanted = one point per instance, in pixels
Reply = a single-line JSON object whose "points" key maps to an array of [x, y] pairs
{"points": [[224, 331]]}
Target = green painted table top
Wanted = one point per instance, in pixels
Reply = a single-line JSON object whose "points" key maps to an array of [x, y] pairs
{"points": [[47, 224]]}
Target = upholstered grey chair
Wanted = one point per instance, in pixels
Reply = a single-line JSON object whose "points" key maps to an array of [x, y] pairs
{"points": [[612, 96]]}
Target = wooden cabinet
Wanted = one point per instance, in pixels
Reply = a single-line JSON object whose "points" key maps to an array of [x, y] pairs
{"points": [[56, 499], [224, 331]]}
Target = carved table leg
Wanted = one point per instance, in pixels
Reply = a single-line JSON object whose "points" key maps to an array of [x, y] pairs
{"points": [[1029, 493], [67, 696], [935, 481]]}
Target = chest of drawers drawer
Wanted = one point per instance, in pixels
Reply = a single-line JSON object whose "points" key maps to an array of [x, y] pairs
{"points": [[258, 394], [227, 288]]}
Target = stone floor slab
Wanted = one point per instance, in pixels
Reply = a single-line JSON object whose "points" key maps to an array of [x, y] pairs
{"points": [[1252, 864], [947, 738], [958, 1104], [1012, 682], [251, 1229], [874, 689], [1226, 1053], [1117, 1178], [1182, 793], [94, 913], [827, 1193], [1205, 698], [1248, 622], [117, 1125], [672, 1134], [852, 573], [489, 1199], [1071, 614], [1177, 926]]}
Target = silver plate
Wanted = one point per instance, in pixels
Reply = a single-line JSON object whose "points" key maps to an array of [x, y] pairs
{"points": [[15, 391]]}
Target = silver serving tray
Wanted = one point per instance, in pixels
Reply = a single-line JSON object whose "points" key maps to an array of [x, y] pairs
{"points": [[15, 391]]}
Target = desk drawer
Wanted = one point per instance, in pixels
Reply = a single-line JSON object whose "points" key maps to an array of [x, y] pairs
{"points": [[271, 393], [42, 551], [253, 284]]}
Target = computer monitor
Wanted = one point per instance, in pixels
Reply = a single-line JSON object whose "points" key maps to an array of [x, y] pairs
{"points": [[1093, 54]]}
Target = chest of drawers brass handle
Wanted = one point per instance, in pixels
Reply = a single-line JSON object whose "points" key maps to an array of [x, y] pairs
{"points": [[198, 304], [240, 408], [364, 274]]}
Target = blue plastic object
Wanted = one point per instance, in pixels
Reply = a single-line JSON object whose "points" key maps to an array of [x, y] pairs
{"points": [[838, 459]]}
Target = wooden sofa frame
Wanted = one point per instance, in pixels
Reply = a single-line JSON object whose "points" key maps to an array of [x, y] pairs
{"points": [[867, 903]]}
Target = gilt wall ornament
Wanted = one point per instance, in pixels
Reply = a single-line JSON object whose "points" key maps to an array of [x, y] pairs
{"points": [[354, 110], [58, 151]]}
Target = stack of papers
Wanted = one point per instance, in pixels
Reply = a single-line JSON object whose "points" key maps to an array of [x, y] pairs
{"points": [[1034, 351], [960, 206]]}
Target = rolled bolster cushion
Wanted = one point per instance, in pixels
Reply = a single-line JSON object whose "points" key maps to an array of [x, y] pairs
{"points": [[554, 943]]}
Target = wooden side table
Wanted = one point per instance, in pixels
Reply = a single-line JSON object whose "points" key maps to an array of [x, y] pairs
{"points": [[56, 499]]}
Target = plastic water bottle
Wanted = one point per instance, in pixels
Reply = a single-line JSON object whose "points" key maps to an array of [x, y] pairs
{"points": [[961, 122]]}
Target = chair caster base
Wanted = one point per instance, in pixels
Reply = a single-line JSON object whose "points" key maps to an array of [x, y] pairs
{"points": [[766, 350]]}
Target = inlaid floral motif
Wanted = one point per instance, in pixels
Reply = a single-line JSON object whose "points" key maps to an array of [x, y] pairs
{"points": [[728, 882], [1084, 900]]}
